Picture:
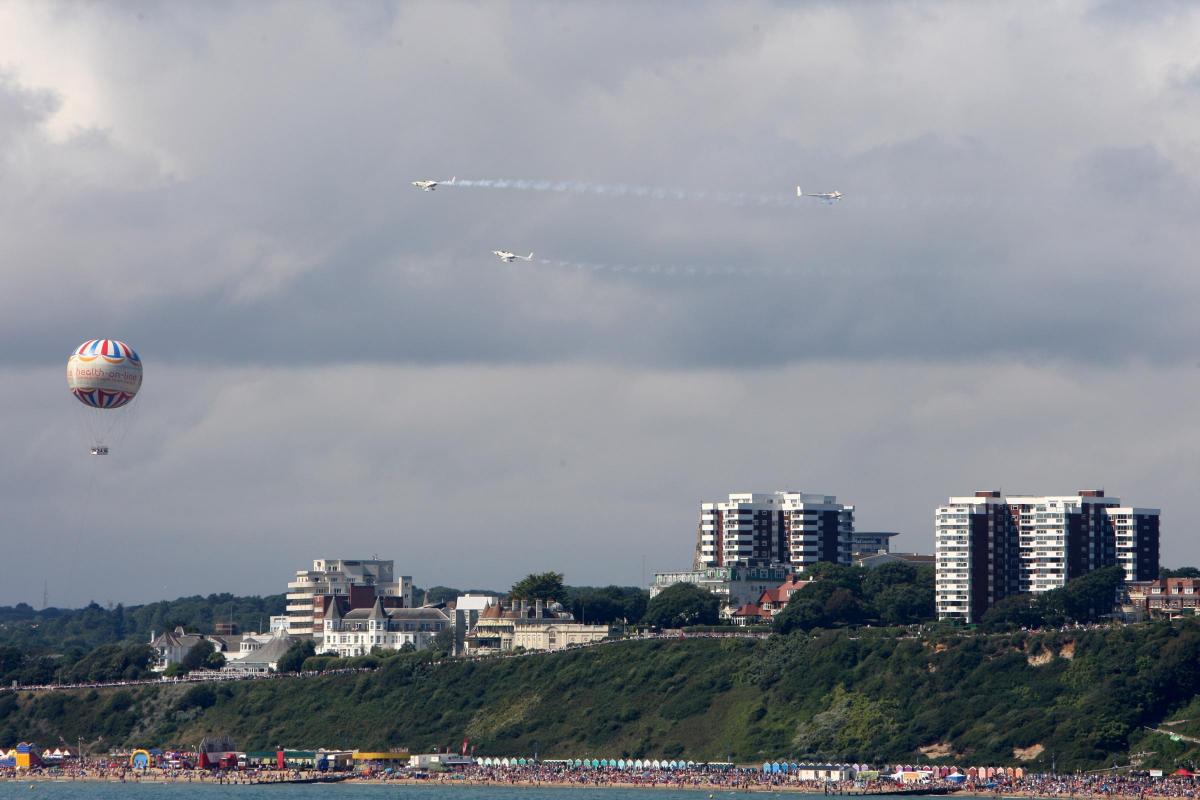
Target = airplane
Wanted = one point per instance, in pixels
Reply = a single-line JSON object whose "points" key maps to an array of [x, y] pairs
{"points": [[429, 186], [826, 197], [508, 257]]}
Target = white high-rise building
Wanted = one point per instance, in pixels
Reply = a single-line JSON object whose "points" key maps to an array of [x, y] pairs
{"points": [[990, 546], [795, 529], [341, 578]]}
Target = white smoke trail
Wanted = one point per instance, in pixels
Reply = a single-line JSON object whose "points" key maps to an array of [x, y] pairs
{"points": [[891, 202], [685, 271]]}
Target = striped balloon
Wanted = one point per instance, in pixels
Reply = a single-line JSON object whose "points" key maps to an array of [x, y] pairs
{"points": [[104, 373]]}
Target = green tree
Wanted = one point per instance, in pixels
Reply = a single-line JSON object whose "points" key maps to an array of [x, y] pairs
{"points": [[198, 656], [1092, 597], [443, 643], [1179, 572], [607, 604], [1016, 611], [683, 604], [293, 659], [545, 586], [822, 604]]}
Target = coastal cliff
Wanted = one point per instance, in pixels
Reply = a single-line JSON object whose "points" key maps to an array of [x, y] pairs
{"points": [[1076, 699]]}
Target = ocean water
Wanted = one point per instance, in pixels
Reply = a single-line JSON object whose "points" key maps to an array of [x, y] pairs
{"points": [[50, 790]]}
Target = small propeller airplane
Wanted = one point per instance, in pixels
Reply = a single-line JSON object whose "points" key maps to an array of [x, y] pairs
{"points": [[825, 197], [508, 257], [429, 186]]}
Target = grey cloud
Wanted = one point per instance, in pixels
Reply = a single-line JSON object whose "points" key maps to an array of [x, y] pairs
{"points": [[1020, 189]]}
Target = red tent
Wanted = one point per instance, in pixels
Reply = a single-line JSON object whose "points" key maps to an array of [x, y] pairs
{"points": [[1183, 773]]}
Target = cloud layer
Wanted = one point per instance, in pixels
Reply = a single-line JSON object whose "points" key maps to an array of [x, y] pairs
{"points": [[334, 360]]}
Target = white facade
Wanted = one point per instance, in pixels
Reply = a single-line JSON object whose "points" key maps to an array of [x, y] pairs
{"points": [[954, 551], [758, 529], [1132, 554], [358, 632], [331, 576]]}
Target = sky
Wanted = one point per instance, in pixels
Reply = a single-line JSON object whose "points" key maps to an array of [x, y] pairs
{"points": [[337, 367]]}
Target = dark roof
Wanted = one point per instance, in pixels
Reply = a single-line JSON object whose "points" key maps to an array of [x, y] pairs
{"points": [[269, 653], [397, 613]]}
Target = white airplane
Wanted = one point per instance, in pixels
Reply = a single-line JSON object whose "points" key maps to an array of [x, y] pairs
{"points": [[429, 186], [826, 197], [508, 257]]}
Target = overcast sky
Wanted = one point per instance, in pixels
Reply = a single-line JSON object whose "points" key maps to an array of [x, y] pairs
{"points": [[337, 367]]}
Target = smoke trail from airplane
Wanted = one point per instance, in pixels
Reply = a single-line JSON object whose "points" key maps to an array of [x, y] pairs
{"points": [[624, 190], [731, 199], [684, 272]]}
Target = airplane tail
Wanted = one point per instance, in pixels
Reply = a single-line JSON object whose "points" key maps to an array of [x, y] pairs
{"points": [[799, 193], [452, 180], [530, 256]]}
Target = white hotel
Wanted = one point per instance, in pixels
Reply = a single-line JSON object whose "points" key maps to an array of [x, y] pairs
{"points": [[339, 577], [990, 546]]}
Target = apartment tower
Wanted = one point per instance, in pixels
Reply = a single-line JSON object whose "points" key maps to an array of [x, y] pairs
{"points": [[795, 529], [989, 546]]}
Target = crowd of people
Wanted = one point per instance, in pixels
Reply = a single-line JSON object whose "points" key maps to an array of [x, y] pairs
{"points": [[1087, 786]]}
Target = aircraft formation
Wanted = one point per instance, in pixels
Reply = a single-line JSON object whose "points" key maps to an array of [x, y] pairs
{"points": [[429, 185], [106, 374]]}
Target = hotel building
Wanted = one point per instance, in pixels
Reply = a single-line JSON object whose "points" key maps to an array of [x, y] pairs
{"points": [[336, 577], [990, 546]]}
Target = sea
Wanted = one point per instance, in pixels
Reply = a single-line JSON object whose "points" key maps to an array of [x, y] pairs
{"points": [[50, 790]]}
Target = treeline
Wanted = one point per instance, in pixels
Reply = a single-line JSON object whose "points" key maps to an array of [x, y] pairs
{"points": [[57, 630], [599, 605], [892, 594], [124, 661], [838, 596], [1086, 599]]}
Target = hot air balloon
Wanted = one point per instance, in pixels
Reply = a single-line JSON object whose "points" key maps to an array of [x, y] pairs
{"points": [[104, 375]]}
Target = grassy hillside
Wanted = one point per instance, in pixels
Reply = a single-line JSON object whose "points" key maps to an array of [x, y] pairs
{"points": [[1079, 699]]}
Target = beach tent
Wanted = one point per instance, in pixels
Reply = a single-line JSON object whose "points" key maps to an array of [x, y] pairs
{"points": [[1182, 773]]}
